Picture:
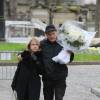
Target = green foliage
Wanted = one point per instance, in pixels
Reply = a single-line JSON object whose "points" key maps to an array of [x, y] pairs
{"points": [[90, 56], [75, 9], [12, 46], [86, 57], [76, 43]]}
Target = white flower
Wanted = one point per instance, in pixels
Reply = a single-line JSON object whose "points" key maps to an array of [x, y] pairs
{"points": [[74, 38]]}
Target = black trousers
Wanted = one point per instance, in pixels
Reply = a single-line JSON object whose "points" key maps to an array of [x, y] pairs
{"points": [[53, 88]]}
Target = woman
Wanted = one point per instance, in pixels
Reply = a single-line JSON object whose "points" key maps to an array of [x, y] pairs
{"points": [[26, 81]]}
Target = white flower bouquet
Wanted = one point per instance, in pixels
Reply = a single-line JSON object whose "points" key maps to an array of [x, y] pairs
{"points": [[72, 38]]}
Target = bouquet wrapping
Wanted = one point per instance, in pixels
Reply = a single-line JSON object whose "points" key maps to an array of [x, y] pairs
{"points": [[73, 38]]}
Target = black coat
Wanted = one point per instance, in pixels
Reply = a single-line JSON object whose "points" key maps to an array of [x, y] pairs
{"points": [[26, 79], [54, 71]]}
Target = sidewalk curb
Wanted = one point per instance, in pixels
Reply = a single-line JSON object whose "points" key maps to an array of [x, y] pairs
{"points": [[73, 63], [96, 91], [84, 63]]}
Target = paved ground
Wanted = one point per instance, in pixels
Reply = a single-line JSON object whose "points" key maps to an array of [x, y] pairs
{"points": [[80, 81]]}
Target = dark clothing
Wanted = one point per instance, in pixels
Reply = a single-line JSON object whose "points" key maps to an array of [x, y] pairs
{"points": [[56, 87], [54, 71], [54, 78], [32, 91], [50, 28], [26, 81]]}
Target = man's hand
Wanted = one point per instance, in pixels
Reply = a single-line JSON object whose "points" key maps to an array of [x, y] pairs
{"points": [[69, 51], [71, 55]]}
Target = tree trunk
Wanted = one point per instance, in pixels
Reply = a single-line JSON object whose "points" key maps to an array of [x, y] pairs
{"points": [[97, 19], [2, 21], [13, 9], [46, 2], [58, 2]]}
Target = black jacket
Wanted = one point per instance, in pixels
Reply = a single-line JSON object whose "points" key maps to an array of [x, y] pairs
{"points": [[53, 71], [28, 68]]}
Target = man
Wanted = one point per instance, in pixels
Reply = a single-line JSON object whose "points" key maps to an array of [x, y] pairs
{"points": [[54, 78]]}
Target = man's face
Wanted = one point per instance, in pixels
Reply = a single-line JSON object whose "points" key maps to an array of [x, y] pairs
{"points": [[52, 36]]}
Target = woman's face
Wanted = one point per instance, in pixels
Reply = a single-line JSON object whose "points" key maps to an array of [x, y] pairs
{"points": [[34, 46]]}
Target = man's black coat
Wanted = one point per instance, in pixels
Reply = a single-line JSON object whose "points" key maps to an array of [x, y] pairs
{"points": [[54, 71]]}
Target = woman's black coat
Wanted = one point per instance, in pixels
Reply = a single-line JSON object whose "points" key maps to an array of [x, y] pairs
{"points": [[26, 78]]}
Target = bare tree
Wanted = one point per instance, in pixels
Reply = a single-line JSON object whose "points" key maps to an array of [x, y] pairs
{"points": [[37, 2], [2, 20], [13, 9], [46, 2], [97, 18], [58, 2]]}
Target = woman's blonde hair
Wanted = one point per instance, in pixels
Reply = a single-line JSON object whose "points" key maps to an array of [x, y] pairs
{"points": [[35, 40], [28, 47]]}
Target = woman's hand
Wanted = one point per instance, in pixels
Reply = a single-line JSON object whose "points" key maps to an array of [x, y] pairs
{"points": [[24, 55], [19, 57]]}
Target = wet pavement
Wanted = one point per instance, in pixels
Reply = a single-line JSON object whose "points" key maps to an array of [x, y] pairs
{"points": [[79, 83]]}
